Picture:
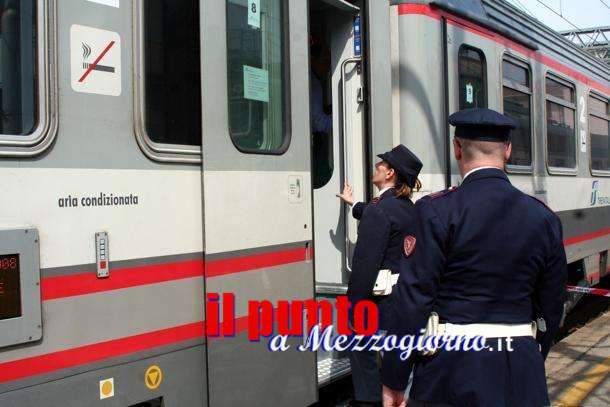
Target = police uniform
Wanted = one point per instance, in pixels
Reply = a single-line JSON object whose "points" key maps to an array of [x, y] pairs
{"points": [[486, 253], [384, 223]]}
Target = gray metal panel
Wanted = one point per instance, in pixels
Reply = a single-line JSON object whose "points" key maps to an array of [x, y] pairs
{"points": [[182, 385], [379, 76], [421, 94], [248, 374], [27, 327]]}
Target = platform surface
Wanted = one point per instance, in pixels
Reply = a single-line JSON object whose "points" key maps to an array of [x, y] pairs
{"points": [[578, 367]]}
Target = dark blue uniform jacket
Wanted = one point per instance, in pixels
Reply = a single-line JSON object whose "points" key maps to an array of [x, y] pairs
{"points": [[485, 253], [381, 232]]}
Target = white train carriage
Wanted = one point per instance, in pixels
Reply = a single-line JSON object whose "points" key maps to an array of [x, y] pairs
{"points": [[154, 152]]}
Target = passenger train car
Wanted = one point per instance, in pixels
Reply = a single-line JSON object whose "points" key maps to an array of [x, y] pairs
{"points": [[155, 152]]}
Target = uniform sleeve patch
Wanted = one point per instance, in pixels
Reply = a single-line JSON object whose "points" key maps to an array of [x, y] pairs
{"points": [[409, 245]]}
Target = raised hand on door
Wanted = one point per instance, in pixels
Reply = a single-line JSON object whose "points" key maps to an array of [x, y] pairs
{"points": [[347, 194]]}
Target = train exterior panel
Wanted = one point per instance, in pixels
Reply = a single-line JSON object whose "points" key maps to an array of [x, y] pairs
{"points": [[212, 192]]}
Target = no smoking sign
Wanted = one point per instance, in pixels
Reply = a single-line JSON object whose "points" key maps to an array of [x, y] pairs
{"points": [[95, 57]]}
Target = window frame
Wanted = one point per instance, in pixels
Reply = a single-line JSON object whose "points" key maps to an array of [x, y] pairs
{"points": [[45, 131], [162, 152], [602, 98], [548, 74], [287, 128], [512, 168], [485, 75]]}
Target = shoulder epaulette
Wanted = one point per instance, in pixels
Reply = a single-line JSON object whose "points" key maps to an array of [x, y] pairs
{"points": [[442, 193]]}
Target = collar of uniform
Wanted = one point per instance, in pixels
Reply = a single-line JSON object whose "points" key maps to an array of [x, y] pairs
{"points": [[383, 191], [484, 172]]}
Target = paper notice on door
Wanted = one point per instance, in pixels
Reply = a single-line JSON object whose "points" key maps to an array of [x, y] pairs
{"points": [[254, 13], [256, 84]]}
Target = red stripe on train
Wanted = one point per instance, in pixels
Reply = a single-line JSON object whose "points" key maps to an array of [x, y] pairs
{"points": [[423, 9], [588, 236], [65, 359], [87, 283]]}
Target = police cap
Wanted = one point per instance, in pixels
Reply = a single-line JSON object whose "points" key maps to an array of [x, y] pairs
{"points": [[482, 124], [404, 162]]}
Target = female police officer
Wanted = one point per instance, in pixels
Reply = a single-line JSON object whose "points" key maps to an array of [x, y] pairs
{"points": [[384, 224]]}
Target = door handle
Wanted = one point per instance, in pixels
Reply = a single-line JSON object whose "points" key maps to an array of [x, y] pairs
{"points": [[346, 209]]}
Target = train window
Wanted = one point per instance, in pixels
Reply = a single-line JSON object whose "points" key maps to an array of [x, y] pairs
{"points": [[472, 72], [256, 75], [517, 94], [599, 129], [560, 124], [18, 62], [172, 73]]}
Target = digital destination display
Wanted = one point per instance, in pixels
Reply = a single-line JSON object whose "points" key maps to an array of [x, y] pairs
{"points": [[10, 292]]}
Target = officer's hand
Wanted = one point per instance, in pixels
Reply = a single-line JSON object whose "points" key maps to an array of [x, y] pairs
{"points": [[393, 398], [347, 194]]}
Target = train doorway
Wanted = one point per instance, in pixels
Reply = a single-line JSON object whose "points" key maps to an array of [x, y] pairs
{"points": [[338, 126], [338, 130]]}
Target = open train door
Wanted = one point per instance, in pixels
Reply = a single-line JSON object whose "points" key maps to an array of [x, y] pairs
{"points": [[351, 104], [257, 190]]}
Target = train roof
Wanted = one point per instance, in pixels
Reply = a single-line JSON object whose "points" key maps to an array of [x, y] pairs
{"points": [[507, 20]]}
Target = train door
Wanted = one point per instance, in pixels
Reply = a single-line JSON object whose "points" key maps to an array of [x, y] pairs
{"points": [[257, 192], [338, 130], [338, 149]]}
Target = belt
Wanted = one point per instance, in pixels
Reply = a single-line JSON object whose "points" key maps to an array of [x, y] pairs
{"points": [[488, 330]]}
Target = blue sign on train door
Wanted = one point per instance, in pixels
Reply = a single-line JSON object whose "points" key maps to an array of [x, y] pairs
{"points": [[357, 37]]}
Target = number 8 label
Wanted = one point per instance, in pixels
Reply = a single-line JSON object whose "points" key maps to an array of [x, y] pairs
{"points": [[254, 14]]}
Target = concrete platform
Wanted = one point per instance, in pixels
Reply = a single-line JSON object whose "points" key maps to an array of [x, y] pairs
{"points": [[578, 367]]}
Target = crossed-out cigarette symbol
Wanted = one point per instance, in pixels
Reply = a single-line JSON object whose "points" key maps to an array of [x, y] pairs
{"points": [[95, 66]]}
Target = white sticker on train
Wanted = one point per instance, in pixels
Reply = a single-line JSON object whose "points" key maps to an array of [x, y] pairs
{"points": [[111, 3], [95, 59]]}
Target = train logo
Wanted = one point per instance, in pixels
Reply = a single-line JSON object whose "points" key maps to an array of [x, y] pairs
{"points": [[594, 189], [596, 198]]}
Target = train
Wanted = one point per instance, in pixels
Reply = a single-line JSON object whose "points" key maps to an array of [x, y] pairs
{"points": [[154, 153]]}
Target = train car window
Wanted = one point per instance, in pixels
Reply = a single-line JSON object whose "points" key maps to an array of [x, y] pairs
{"points": [[560, 124], [472, 72], [18, 69], [517, 95], [599, 129], [172, 73], [256, 66]]}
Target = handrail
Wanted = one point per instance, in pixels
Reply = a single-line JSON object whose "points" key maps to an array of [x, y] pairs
{"points": [[344, 64]]}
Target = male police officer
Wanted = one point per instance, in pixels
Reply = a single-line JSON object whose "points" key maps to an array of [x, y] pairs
{"points": [[384, 224], [488, 260]]}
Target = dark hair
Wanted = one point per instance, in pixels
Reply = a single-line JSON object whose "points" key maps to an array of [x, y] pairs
{"points": [[403, 190]]}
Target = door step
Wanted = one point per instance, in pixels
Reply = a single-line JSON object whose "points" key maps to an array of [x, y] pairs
{"points": [[331, 369]]}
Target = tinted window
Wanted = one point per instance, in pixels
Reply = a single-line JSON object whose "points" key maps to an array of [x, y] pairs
{"points": [[172, 71], [18, 64], [256, 76], [560, 130], [559, 90], [515, 73], [517, 104], [599, 129], [472, 77]]}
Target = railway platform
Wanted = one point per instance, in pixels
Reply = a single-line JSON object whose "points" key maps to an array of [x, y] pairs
{"points": [[578, 367]]}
